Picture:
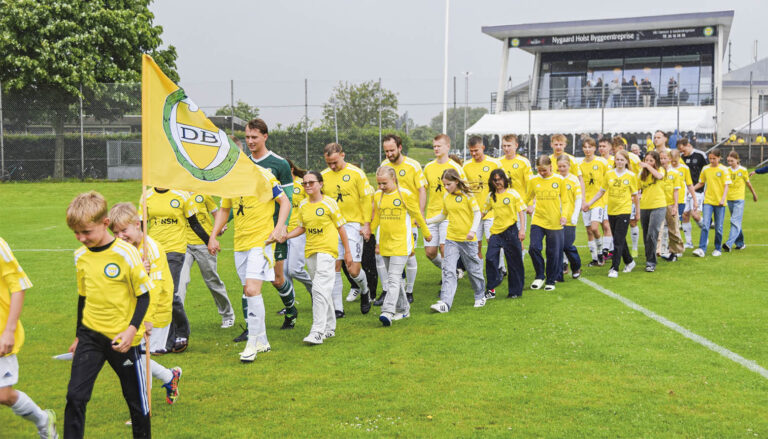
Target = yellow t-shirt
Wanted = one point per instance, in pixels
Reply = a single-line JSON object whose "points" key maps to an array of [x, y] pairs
{"points": [[433, 172], [321, 222], [594, 173], [394, 216], [549, 194], [167, 215], [716, 178], [619, 190], [161, 297], [572, 193], [12, 280], [611, 163], [505, 208], [673, 180], [685, 174], [739, 179], [409, 174], [653, 194], [477, 175], [460, 210], [206, 206], [634, 163], [298, 196], [575, 169], [111, 280], [253, 218], [351, 191], [519, 172]]}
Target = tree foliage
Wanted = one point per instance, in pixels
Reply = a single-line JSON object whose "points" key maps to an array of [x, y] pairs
{"points": [[456, 121], [242, 110], [50, 50], [357, 105]]}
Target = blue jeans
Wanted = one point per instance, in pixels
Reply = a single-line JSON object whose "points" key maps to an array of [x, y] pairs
{"points": [[708, 210], [736, 234], [554, 253], [570, 250], [513, 253]]}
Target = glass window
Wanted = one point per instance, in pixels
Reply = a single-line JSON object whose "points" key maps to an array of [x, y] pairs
{"points": [[645, 71], [705, 82], [680, 78]]}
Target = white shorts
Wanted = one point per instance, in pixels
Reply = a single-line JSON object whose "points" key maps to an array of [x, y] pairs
{"points": [[595, 214], [438, 232], [484, 229], [355, 240], [254, 264], [9, 371], [689, 201], [158, 338]]}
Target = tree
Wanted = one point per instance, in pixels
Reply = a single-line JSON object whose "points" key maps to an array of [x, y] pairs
{"points": [[456, 121], [242, 110], [357, 105], [53, 53]]}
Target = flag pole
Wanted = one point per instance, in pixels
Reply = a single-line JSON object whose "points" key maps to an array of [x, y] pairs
{"points": [[144, 140]]}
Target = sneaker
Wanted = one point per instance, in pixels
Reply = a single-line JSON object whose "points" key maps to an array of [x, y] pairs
{"points": [[699, 252], [687, 245], [380, 300], [329, 334], [262, 348], [386, 318], [314, 338], [339, 314], [180, 345], [353, 293], [726, 248], [249, 353], [565, 267], [716, 253], [600, 259], [629, 267], [282, 312], [671, 257], [479, 303], [401, 315], [576, 274], [514, 296], [607, 254], [741, 247], [633, 252], [459, 273], [172, 386], [650, 268], [242, 337], [49, 430], [613, 273], [365, 303], [227, 323], [490, 294], [409, 296], [537, 283], [289, 322], [549, 287], [440, 307], [593, 263]]}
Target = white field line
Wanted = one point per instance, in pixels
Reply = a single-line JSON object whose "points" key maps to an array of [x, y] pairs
{"points": [[749, 364]]}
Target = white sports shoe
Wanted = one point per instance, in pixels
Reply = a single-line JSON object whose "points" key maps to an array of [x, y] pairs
{"points": [[262, 348], [227, 323], [329, 334], [613, 273], [537, 283], [314, 338], [249, 353], [353, 294], [386, 318], [699, 252], [49, 431], [479, 303], [549, 287], [401, 315], [687, 246], [440, 307], [629, 267], [459, 273], [716, 253]]}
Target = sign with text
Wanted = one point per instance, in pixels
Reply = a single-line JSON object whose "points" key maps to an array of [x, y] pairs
{"points": [[615, 37]]}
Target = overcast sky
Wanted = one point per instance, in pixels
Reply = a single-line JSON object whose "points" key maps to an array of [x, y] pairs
{"points": [[269, 47]]}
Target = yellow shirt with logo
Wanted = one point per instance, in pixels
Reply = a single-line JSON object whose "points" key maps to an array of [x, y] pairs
{"points": [[653, 191], [206, 206], [548, 194], [394, 216], [594, 173], [575, 169], [685, 174], [505, 208], [409, 174], [519, 172], [572, 193], [111, 280], [619, 190], [477, 175], [167, 215], [459, 209], [12, 280], [253, 218], [739, 179], [161, 296], [611, 163], [351, 191], [298, 196], [673, 180], [716, 178], [634, 163], [321, 222], [433, 172]]}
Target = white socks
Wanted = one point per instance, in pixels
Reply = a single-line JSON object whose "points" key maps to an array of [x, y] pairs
{"points": [[608, 242], [634, 233], [688, 231], [27, 409], [438, 261], [592, 249], [257, 328], [338, 286], [360, 280], [411, 267], [160, 372]]}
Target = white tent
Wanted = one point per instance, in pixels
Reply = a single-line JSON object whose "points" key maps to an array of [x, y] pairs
{"points": [[759, 126], [617, 120]]}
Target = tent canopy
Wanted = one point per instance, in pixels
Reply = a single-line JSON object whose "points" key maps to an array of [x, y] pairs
{"points": [[759, 126], [617, 120]]}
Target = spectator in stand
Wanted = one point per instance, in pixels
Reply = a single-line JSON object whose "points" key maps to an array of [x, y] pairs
{"points": [[615, 88], [633, 87], [646, 92]]}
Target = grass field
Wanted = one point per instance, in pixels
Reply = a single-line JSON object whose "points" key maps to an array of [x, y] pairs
{"points": [[568, 363]]}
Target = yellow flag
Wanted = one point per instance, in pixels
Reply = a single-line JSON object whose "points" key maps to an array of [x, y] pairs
{"points": [[181, 149]]}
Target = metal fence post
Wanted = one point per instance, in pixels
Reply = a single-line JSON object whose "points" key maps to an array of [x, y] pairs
{"points": [[306, 126], [2, 134], [82, 140], [602, 105]]}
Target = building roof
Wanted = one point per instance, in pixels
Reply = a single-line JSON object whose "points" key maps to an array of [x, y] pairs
{"points": [[740, 77]]}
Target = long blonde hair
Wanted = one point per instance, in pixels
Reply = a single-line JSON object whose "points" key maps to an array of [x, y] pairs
{"points": [[389, 172], [453, 175]]}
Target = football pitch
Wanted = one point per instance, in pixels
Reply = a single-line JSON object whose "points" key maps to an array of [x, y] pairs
{"points": [[595, 358]]}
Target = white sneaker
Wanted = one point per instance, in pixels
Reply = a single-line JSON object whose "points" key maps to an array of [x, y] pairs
{"points": [[699, 252], [440, 307], [687, 246], [262, 348], [479, 303], [629, 267], [353, 294], [386, 318], [613, 273], [314, 338], [537, 283], [49, 431], [401, 315], [459, 273], [329, 334], [249, 353], [549, 287], [227, 323], [716, 253]]}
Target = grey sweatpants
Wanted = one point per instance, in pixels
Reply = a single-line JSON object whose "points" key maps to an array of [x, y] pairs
{"points": [[651, 220], [395, 300], [467, 251], [208, 269], [294, 265]]}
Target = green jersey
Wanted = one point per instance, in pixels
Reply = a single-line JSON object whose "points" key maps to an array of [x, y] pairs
{"points": [[280, 168]]}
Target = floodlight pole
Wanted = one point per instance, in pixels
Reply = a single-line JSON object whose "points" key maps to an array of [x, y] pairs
{"points": [[82, 141], [466, 107], [2, 135], [335, 120], [381, 95], [749, 131], [677, 93], [306, 126], [232, 107], [445, 69]]}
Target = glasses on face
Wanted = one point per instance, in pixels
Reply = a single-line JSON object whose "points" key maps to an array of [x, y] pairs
{"points": [[308, 183]]}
